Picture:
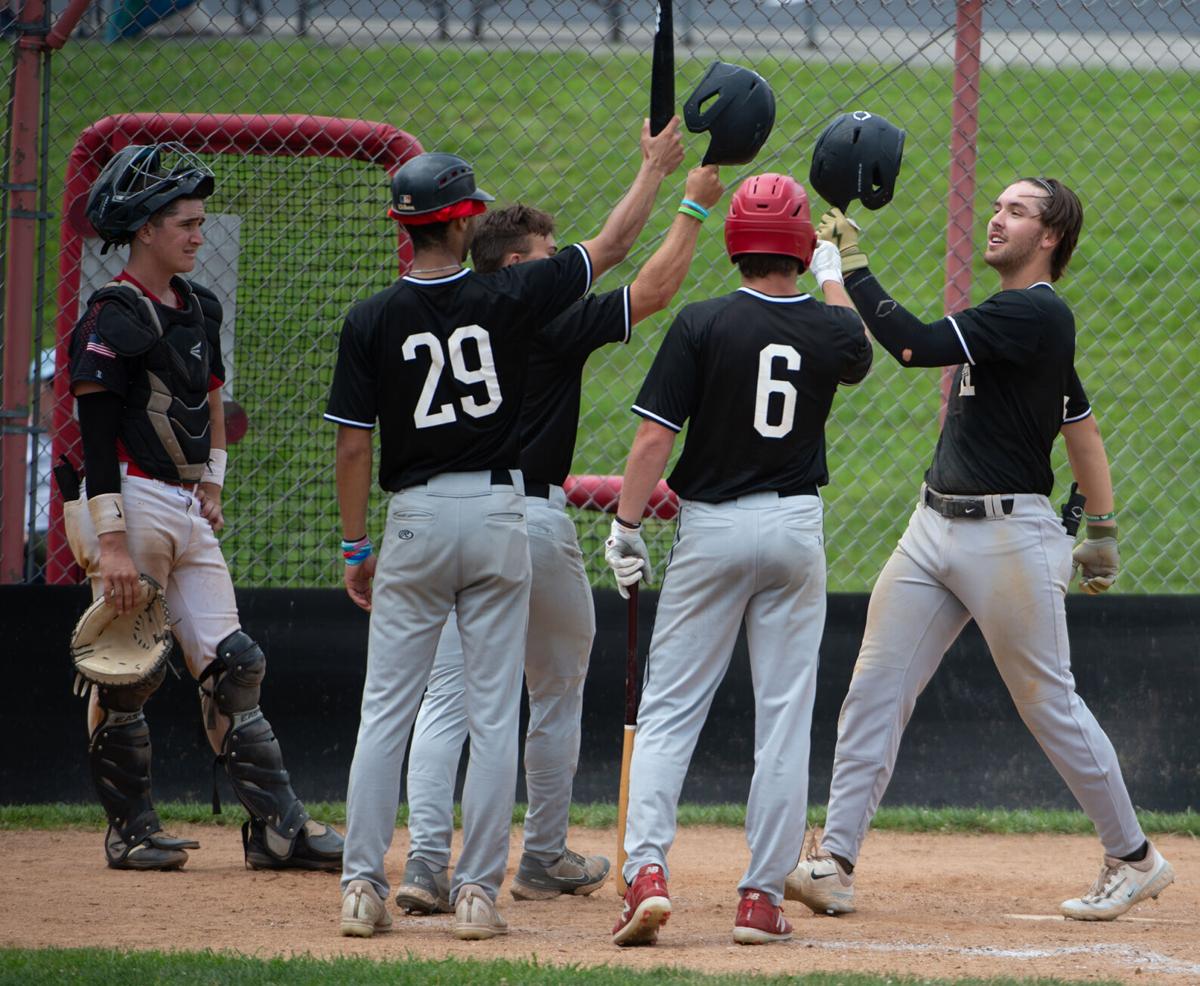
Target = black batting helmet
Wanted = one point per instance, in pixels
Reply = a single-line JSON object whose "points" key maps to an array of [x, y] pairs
{"points": [[138, 181], [736, 107], [426, 186], [857, 157]]}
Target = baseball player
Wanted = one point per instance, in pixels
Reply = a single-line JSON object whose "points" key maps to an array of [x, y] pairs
{"points": [[562, 619], [439, 360], [755, 373], [983, 543], [146, 373]]}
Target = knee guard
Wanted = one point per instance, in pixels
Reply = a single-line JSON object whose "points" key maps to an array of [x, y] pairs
{"points": [[254, 761]]}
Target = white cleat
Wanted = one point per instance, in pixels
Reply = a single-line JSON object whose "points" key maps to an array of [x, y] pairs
{"points": [[363, 911], [1119, 886], [821, 884], [475, 915]]}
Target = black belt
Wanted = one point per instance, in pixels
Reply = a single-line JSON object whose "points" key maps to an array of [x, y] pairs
{"points": [[963, 506], [502, 477], [538, 489], [808, 489]]}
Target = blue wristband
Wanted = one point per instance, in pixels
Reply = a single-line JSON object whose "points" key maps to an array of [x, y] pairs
{"points": [[356, 552], [690, 204]]}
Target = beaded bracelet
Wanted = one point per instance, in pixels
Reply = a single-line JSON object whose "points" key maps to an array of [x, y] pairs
{"points": [[693, 209], [356, 552]]}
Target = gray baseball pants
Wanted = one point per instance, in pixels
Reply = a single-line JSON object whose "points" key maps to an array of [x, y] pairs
{"points": [[562, 624], [759, 559], [1009, 573], [456, 542]]}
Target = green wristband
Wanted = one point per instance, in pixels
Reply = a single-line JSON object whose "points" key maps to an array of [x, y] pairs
{"points": [[689, 211]]}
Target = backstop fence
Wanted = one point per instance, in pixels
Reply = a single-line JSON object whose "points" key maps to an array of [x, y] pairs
{"points": [[302, 108]]}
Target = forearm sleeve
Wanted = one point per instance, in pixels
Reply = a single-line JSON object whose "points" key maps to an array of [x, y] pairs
{"points": [[911, 341], [99, 424]]}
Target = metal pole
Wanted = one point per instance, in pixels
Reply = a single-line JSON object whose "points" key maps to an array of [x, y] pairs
{"points": [[963, 132]]}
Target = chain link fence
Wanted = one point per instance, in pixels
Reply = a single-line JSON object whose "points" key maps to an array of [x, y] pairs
{"points": [[546, 100]]}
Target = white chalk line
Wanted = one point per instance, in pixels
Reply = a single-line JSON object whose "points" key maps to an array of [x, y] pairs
{"points": [[1063, 920]]}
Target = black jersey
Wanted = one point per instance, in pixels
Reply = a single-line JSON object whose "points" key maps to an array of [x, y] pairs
{"points": [[1009, 400], [756, 375], [441, 364], [558, 352]]}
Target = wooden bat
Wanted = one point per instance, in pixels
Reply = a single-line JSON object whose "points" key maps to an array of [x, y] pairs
{"points": [[631, 704], [662, 72]]}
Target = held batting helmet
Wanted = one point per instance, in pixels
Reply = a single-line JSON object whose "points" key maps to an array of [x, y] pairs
{"points": [[138, 181], [435, 187], [769, 214], [857, 157], [736, 107]]}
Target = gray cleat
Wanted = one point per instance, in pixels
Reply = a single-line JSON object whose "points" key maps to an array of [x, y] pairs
{"points": [[423, 890], [571, 873]]}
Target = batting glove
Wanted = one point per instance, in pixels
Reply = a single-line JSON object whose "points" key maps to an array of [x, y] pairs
{"points": [[626, 554], [1099, 559], [842, 232], [826, 264]]}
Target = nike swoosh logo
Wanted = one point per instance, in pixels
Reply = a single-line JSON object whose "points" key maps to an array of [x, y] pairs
{"points": [[822, 876]]}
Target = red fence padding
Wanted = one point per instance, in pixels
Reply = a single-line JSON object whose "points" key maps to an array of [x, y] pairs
{"points": [[205, 133], [602, 493]]}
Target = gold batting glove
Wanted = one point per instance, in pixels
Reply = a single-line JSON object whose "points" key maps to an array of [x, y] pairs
{"points": [[1098, 558], [842, 231]]}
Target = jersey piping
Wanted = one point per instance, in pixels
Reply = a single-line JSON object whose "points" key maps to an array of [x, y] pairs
{"points": [[776, 299], [961, 341], [654, 417]]}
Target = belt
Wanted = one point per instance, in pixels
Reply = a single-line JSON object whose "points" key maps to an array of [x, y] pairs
{"points": [[973, 507], [808, 489], [502, 477], [541, 490], [132, 469]]}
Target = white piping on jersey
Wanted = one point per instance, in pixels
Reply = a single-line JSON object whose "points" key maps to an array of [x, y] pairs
{"points": [[628, 313], [961, 340], [1041, 284], [776, 299], [587, 263], [349, 422], [438, 280], [654, 417], [1077, 417]]}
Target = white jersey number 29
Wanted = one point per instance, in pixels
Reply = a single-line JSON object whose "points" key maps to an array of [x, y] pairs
{"points": [[768, 385], [425, 415]]}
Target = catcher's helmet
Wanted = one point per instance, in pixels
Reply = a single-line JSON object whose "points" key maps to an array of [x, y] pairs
{"points": [[769, 214], [429, 183], [138, 181], [857, 157], [736, 107]]}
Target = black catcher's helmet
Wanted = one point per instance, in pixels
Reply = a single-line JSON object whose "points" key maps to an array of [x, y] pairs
{"points": [[426, 185], [857, 157], [736, 107], [138, 181]]}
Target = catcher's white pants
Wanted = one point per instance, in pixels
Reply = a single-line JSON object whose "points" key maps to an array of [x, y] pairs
{"points": [[169, 541], [1011, 575], [455, 542], [761, 559], [562, 624]]}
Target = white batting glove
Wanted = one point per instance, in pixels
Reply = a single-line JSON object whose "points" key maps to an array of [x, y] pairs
{"points": [[626, 554], [826, 263], [1098, 558]]}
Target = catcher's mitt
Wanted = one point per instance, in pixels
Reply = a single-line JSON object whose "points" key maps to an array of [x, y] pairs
{"points": [[111, 648]]}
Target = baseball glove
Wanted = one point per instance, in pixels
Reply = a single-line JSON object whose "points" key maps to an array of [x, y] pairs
{"points": [[111, 648]]}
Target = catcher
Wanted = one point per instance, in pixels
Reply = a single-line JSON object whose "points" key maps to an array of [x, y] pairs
{"points": [[146, 373]]}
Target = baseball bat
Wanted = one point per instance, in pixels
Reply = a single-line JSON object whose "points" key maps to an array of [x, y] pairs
{"points": [[662, 71], [631, 704]]}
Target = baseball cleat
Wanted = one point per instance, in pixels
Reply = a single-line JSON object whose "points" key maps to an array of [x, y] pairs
{"points": [[475, 915], [1119, 886], [316, 847], [821, 884], [759, 922], [647, 907], [363, 912], [571, 873], [423, 890], [157, 851]]}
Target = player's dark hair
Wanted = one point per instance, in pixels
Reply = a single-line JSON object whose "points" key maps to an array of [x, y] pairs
{"points": [[428, 236], [1062, 213], [506, 231], [765, 264]]}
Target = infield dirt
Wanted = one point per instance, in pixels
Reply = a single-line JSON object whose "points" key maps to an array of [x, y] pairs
{"points": [[939, 905]]}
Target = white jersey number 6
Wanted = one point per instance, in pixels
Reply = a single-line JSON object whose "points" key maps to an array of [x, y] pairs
{"points": [[424, 414], [768, 385]]}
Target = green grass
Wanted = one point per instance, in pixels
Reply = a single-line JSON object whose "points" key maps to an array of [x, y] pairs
{"points": [[96, 967], [983, 821], [557, 129]]}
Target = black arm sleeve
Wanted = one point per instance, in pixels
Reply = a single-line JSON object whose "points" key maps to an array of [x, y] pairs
{"points": [[99, 424], [898, 329]]}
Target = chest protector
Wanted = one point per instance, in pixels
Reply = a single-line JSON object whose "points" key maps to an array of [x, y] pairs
{"points": [[166, 421]]}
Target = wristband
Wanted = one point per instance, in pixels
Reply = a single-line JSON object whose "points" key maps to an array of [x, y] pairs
{"points": [[687, 211], [108, 513], [696, 206], [625, 524], [1099, 533], [214, 469], [356, 552], [1094, 518]]}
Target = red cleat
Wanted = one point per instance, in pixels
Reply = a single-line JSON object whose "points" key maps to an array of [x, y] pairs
{"points": [[759, 922], [647, 907]]}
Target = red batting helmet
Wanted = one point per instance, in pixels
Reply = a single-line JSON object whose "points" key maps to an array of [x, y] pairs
{"points": [[769, 214]]}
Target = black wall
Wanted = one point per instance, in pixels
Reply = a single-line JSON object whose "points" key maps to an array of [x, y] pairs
{"points": [[1135, 660]]}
